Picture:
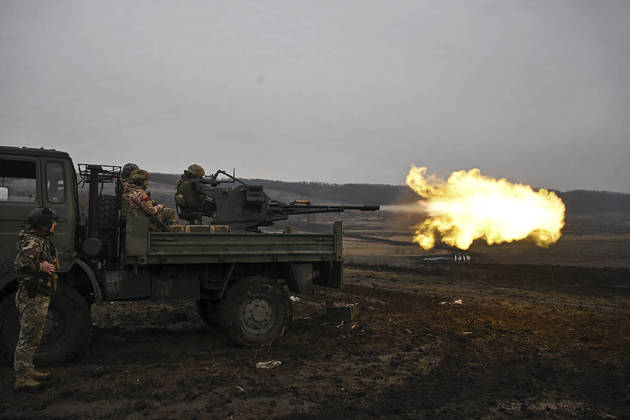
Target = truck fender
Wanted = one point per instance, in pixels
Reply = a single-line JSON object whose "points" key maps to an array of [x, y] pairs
{"points": [[98, 294]]}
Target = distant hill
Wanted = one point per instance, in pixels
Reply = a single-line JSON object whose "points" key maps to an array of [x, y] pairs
{"points": [[587, 202], [577, 202], [323, 192]]}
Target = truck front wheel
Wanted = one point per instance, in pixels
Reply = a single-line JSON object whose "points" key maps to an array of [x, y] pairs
{"points": [[255, 311], [66, 333]]}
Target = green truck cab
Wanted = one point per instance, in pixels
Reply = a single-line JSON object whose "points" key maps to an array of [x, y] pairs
{"points": [[240, 280]]}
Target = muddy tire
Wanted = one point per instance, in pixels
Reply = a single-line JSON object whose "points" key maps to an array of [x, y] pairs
{"points": [[66, 333], [208, 312], [255, 311]]}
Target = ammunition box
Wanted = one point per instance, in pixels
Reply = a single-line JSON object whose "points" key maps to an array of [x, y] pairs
{"points": [[342, 312], [200, 228]]}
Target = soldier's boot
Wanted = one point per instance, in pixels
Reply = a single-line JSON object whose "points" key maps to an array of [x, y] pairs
{"points": [[39, 375], [26, 382]]}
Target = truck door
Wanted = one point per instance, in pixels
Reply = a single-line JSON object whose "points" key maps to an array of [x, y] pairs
{"points": [[19, 194], [58, 195]]}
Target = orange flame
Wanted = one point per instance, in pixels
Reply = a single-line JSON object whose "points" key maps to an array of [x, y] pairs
{"points": [[470, 206]]}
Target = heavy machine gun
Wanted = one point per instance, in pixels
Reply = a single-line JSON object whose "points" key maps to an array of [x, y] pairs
{"points": [[248, 207]]}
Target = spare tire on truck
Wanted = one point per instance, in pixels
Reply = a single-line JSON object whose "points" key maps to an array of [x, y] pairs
{"points": [[107, 222], [255, 311], [66, 333]]}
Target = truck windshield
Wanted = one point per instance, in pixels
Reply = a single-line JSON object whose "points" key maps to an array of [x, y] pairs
{"points": [[18, 181]]}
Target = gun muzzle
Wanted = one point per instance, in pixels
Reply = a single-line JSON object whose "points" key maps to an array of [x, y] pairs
{"points": [[370, 208]]}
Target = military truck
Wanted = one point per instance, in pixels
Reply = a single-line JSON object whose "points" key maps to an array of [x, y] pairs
{"points": [[239, 279]]}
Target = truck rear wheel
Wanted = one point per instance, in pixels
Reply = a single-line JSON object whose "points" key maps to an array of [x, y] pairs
{"points": [[66, 333], [255, 311]]}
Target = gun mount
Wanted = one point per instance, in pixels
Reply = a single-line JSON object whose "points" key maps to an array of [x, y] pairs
{"points": [[248, 207]]}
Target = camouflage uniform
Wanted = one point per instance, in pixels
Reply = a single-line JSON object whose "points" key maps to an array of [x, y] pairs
{"points": [[126, 185], [124, 197], [189, 196], [140, 204], [124, 200], [192, 199], [33, 295]]}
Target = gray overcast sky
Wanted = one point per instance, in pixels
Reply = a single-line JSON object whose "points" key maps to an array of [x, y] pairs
{"points": [[336, 91]]}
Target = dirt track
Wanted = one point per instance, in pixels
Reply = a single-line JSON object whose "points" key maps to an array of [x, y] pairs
{"points": [[525, 341]]}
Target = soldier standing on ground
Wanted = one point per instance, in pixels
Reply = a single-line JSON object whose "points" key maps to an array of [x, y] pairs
{"points": [[189, 196], [35, 263], [140, 204]]}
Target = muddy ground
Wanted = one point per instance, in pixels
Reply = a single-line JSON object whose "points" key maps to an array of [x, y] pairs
{"points": [[467, 341]]}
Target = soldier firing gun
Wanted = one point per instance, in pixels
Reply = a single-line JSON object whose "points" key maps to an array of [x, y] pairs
{"points": [[248, 207]]}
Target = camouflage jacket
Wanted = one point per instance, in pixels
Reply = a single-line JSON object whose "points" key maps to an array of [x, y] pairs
{"points": [[125, 184], [140, 204], [33, 248], [193, 197]]}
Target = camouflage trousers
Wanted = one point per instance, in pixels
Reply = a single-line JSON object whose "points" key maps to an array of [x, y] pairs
{"points": [[33, 313], [166, 216]]}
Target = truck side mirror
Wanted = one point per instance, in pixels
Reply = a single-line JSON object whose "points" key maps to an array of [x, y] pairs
{"points": [[4, 194]]}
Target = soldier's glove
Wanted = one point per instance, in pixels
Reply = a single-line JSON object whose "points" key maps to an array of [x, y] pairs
{"points": [[31, 288]]}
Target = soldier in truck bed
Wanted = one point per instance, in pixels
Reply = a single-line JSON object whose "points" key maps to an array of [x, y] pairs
{"points": [[125, 184], [189, 196], [140, 203], [125, 173], [35, 264]]}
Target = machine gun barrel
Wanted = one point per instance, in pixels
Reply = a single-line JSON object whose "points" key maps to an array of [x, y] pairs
{"points": [[247, 207], [367, 207], [304, 207]]}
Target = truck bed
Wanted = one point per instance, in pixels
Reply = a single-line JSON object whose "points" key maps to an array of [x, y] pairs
{"points": [[146, 247]]}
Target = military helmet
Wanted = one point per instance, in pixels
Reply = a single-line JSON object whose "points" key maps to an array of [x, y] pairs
{"points": [[127, 170], [42, 217], [138, 176], [196, 170]]}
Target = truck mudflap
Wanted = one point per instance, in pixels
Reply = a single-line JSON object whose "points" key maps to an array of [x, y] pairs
{"points": [[303, 276], [328, 274]]}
